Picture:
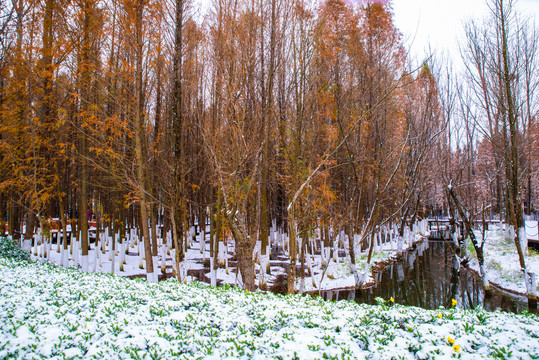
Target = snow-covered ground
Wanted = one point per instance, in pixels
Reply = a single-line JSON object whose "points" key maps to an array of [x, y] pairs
{"points": [[325, 272], [56, 313], [501, 259], [340, 275]]}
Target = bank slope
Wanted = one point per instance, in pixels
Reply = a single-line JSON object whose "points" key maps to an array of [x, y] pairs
{"points": [[51, 312]]}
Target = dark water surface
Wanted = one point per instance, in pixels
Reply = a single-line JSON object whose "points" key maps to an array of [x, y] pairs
{"points": [[429, 277]]}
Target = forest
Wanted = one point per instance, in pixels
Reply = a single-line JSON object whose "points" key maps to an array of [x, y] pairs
{"points": [[162, 118]]}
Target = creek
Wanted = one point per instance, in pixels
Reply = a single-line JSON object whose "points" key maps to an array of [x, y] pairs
{"points": [[429, 276]]}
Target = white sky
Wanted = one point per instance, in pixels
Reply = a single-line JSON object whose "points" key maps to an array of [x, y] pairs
{"points": [[440, 23]]}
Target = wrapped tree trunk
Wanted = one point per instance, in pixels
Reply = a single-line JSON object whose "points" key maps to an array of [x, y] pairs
{"points": [[151, 275], [469, 232]]}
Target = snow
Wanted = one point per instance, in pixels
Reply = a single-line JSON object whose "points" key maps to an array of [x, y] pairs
{"points": [[501, 263], [531, 230], [52, 312], [338, 275], [501, 260]]}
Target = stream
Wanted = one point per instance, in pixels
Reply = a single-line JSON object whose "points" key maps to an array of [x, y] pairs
{"points": [[428, 276]]}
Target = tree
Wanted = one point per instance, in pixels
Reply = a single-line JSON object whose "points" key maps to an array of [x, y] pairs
{"points": [[90, 24], [499, 62]]}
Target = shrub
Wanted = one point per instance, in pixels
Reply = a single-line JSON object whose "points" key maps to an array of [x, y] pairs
{"points": [[12, 250]]}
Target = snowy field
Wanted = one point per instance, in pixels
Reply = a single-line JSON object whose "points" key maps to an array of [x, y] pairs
{"points": [[501, 260], [57, 313]]}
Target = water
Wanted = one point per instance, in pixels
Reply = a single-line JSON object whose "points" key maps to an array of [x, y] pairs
{"points": [[429, 277]]}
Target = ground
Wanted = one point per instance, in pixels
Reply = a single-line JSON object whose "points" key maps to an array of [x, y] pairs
{"points": [[51, 312], [501, 260], [338, 274], [501, 263]]}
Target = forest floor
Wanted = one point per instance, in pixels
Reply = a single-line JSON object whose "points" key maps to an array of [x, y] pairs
{"points": [[501, 260], [51, 312], [502, 264], [196, 265]]}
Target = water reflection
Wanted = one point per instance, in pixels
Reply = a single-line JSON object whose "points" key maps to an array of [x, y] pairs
{"points": [[429, 276]]}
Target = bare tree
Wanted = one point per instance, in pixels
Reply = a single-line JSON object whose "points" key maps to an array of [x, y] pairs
{"points": [[499, 62]]}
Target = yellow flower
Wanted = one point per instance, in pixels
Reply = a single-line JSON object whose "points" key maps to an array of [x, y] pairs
{"points": [[456, 348], [439, 315], [449, 340], [454, 302], [392, 300]]}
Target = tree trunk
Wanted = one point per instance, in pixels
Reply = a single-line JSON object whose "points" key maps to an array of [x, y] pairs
{"points": [[469, 232], [151, 275], [293, 250], [244, 250], [63, 221], [29, 234], [153, 225], [176, 240], [513, 180]]}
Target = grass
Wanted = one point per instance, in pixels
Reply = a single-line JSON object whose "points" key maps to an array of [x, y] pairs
{"points": [[533, 252]]}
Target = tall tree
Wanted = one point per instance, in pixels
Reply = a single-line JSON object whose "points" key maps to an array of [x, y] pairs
{"points": [[498, 63]]}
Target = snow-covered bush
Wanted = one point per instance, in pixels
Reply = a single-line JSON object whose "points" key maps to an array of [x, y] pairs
{"points": [[12, 250]]}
